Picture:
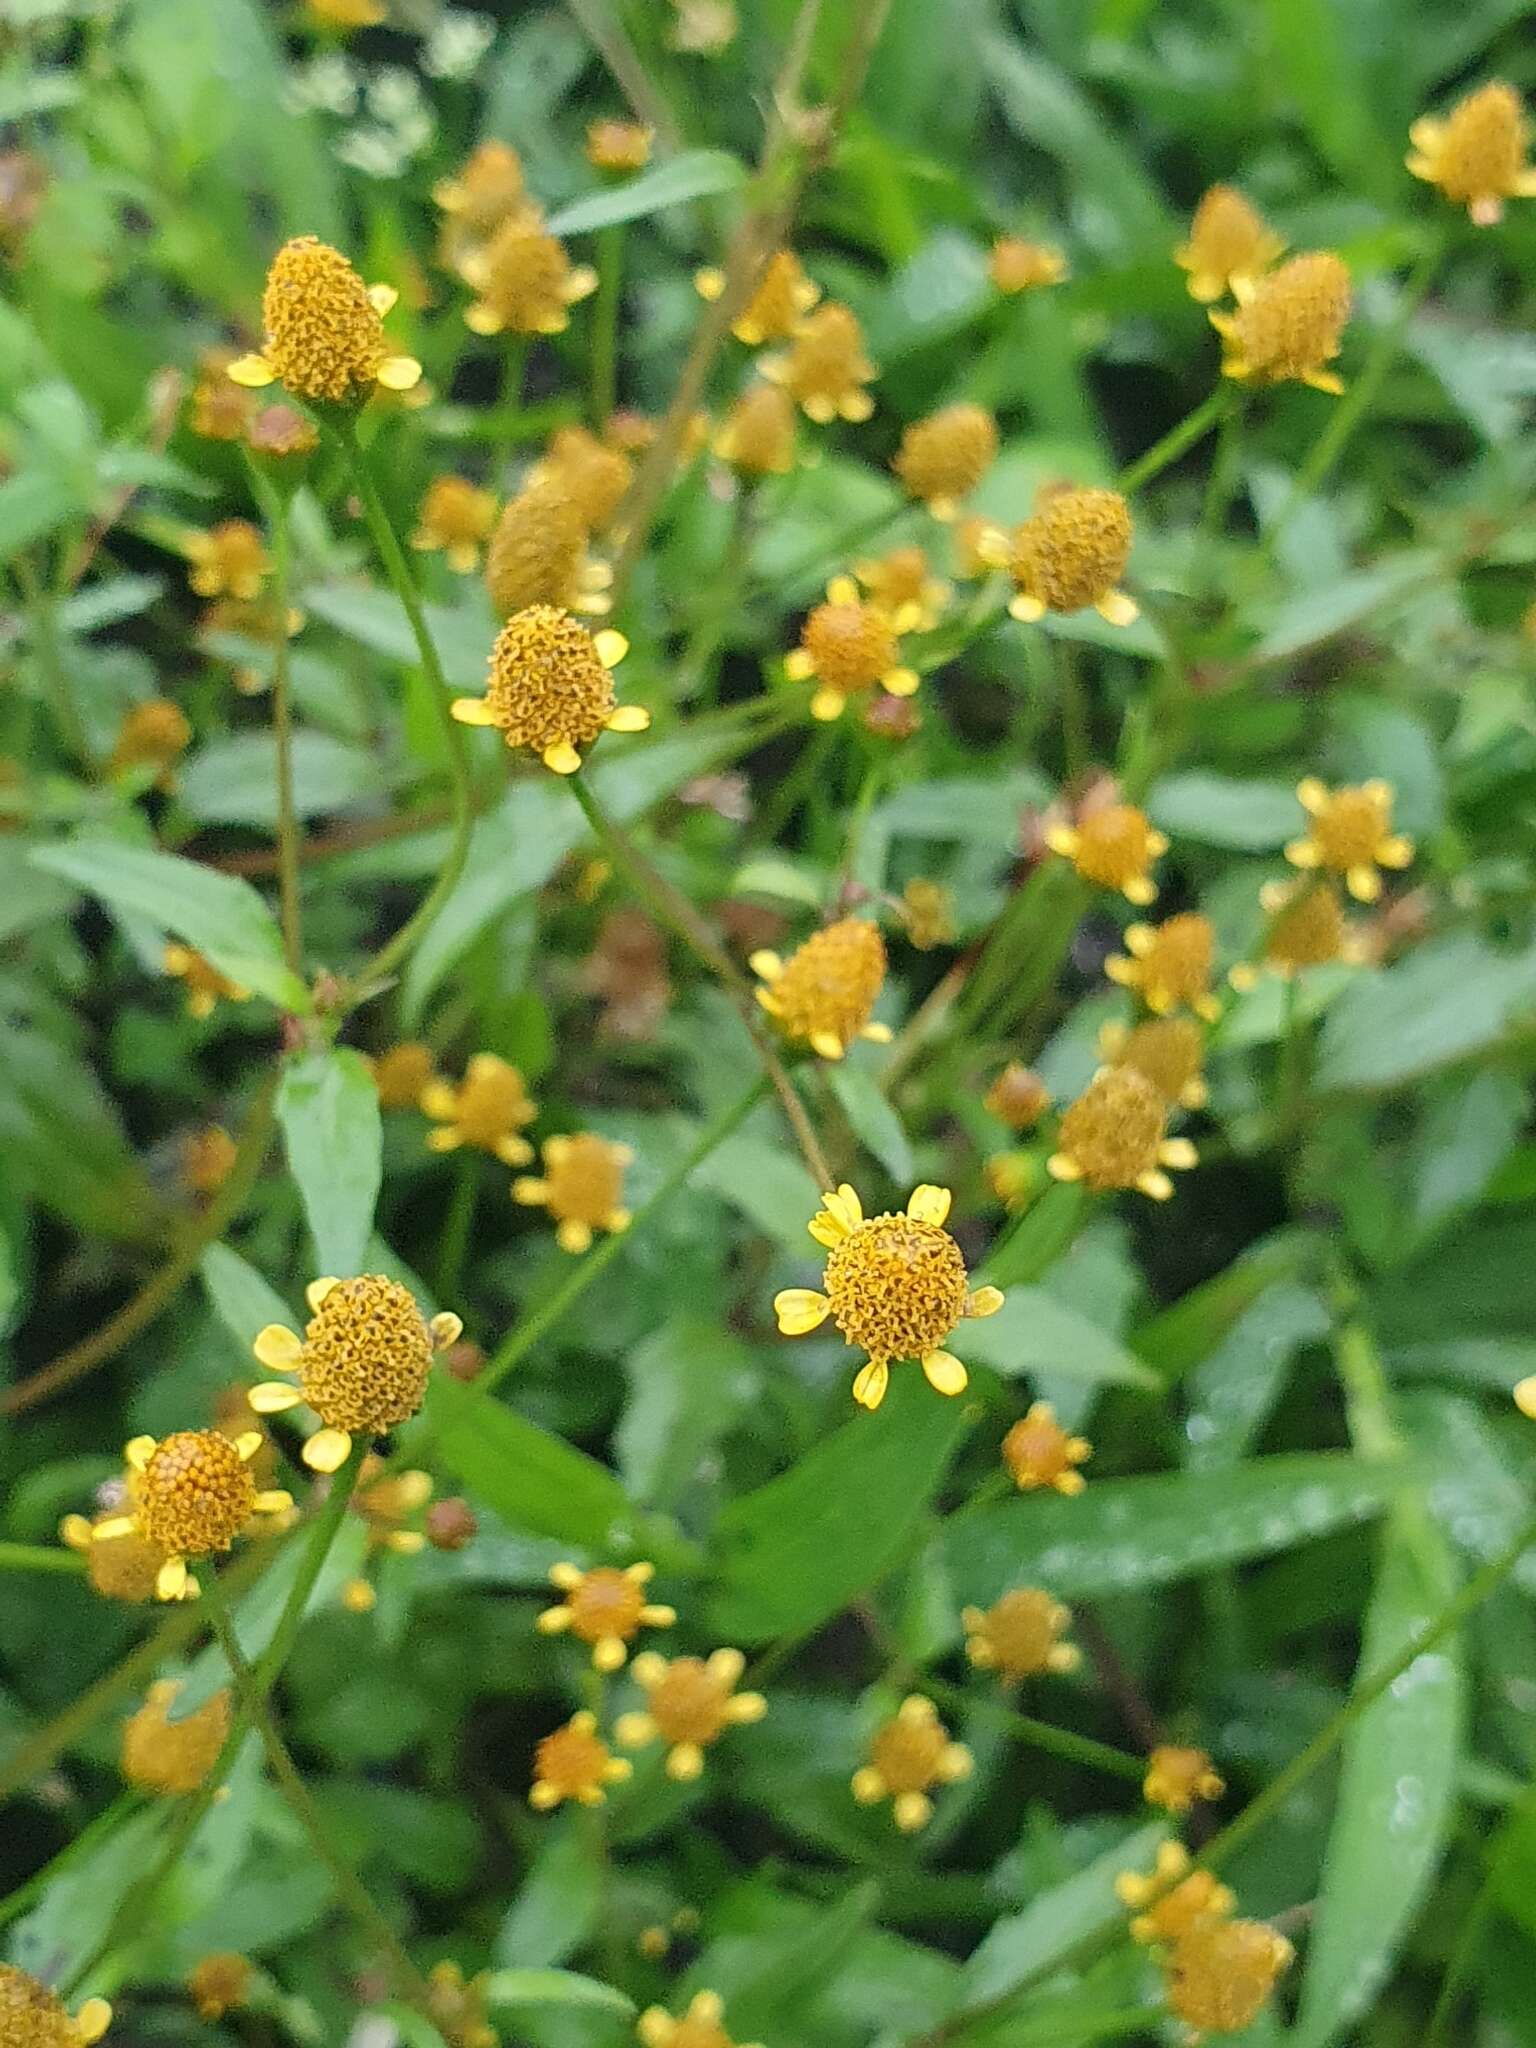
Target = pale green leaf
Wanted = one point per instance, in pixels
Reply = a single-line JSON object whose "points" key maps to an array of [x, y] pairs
{"points": [[328, 1109]]}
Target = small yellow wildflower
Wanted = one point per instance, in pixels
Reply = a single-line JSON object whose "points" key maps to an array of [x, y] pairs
{"points": [[1288, 323], [488, 1109], [689, 1703], [847, 646], [153, 734], [1172, 1898], [219, 1984], [1178, 1775], [901, 585], [402, 1072], [32, 2016], [219, 411], [908, 1756], [1012, 1177], [1018, 1097], [825, 992], [455, 518], [486, 190], [1039, 1452], [1070, 553], [549, 687], [281, 430], [621, 147], [192, 1494], [928, 909], [524, 282], [777, 308], [1307, 928], [1113, 845], [702, 2025], [173, 1754], [944, 457], [1222, 1972], [1113, 1136], [385, 1503], [122, 1566], [1351, 835], [206, 1159], [324, 330], [1168, 1051], [575, 1763], [362, 1363], [458, 2005], [229, 560], [582, 1187], [897, 1287], [605, 1607], [1230, 244], [348, 14], [757, 435], [1169, 964], [596, 475], [825, 369], [1020, 1635], [538, 554], [1477, 154], [1015, 265]]}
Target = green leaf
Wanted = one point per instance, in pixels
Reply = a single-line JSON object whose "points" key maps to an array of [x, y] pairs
{"points": [[1183, 1333], [1319, 614], [1233, 1390], [1033, 1332], [875, 1124], [560, 1900], [533, 1479], [241, 1299], [696, 174], [1396, 1793], [376, 619], [61, 1138], [685, 1381], [1123, 1535], [328, 1108], [1314, 58], [942, 289], [1221, 810], [233, 781], [32, 505], [1446, 1000], [795, 1551], [218, 915], [554, 1987]]}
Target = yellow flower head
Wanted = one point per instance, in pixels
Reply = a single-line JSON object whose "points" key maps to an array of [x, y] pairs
{"points": [[1229, 244], [1071, 552], [605, 1607], [324, 330], [594, 474], [778, 306], [220, 411], [524, 281], [549, 687], [824, 993], [348, 14], [1477, 154], [362, 1364], [1222, 1972], [219, 1984], [757, 435], [896, 1286], [152, 735], [455, 518], [401, 1073], [1113, 1136], [488, 1109], [1039, 1452], [847, 646], [124, 1565], [1169, 964], [1018, 1097], [1015, 265], [1178, 1775], [1020, 1635], [929, 912], [458, 2006], [1350, 835], [1113, 845], [689, 1703], [1168, 1051], [575, 1763], [582, 1187], [32, 2016], [825, 369], [909, 1755], [1307, 928], [702, 2025], [1288, 323], [485, 192], [1012, 1177], [538, 554], [192, 1493], [206, 1159], [618, 146], [943, 458], [903, 587], [170, 1755], [229, 560], [1171, 1898]]}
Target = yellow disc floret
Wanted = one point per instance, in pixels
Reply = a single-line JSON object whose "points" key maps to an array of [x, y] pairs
{"points": [[1039, 1452], [1172, 1897], [1015, 265], [172, 1755], [1071, 552], [1229, 244], [1113, 1136], [1113, 845], [575, 1763], [549, 687], [229, 560], [779, 302], [454, 519], [195, 1493], [825, 370], [848, 646], [944, 457], [538, 554], [487, 1110], [524, 281], [1222, 1972], [1477, 154], [593, 474], [1169, 1051], [825, 992], [700, 2027], [1178, 1775], [1288, 323], [690, 1702], [757, 435]]}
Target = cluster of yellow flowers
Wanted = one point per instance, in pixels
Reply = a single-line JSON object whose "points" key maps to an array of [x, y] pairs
{"points": [[1219, 1970]]}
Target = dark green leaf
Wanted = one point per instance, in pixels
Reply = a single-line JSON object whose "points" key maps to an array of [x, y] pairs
{"points": [[328, 1108], [531, 1478], [695, 174]]}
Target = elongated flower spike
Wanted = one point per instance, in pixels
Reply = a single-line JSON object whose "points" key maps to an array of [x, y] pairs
{"points": [[582, 1187], [1288, 324], [1114, 1136], [824, 993], [690, 1702], [1070, 554], [605, 1607], [1230, 244], [362, 1364], [944, 457], [538, 554], [32, 2016], [1476, 155], [897, 1287], [1350, 834], [192, 1494], [908, 1757], [324, 330], [549, 687], [848, 646]]}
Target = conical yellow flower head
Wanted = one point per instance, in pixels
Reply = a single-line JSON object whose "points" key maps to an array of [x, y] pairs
{"points": [[1072, 552], [575, 1763], [582, 1187], [1038, 1452], [826, 369], [1169, 1051], [1114, 846], [1222, 1973], [1178, 1775], [757, 435], [847, 646], [1350, 834], [1020, 1635], [458, 2007], [151, 735], [455, 518], [195, 1493], [1171, 1899], [783, 297], [1309, 928], [486, 190], [32, 2016], [1477, 155], [618, 145], [170, 1756], [1015, 265], [538, 553], [1288, 324], [1113, 1136], [896, 1287], [549, 688], [944, 457], [690, 1702], [1229, 244], [324, 334], [125, 1566], [908, 1756], [595, 476], [1169, 963], [524, 282], [825, 991], [606, 1608]]}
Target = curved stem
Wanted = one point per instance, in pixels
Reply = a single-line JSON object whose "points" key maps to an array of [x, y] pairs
{"points": [[1072, 1749], [1192, 428]]}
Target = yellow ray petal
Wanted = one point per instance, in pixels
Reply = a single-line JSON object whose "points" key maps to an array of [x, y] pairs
{"points": [[930, 1204], [944, 1373], [871, 1382], [327, 1450]]}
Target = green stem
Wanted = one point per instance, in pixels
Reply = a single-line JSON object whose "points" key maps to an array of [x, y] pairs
{"points": [[453, 1242], [521, 1341], [1077, 747], [509, 410], [714, 620], [39, 1557], [1192, 428], [43, 608], [1073, 1749], [389, 956], [282, 734], [605, 324], [122, 1808], [1221, 484]]}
